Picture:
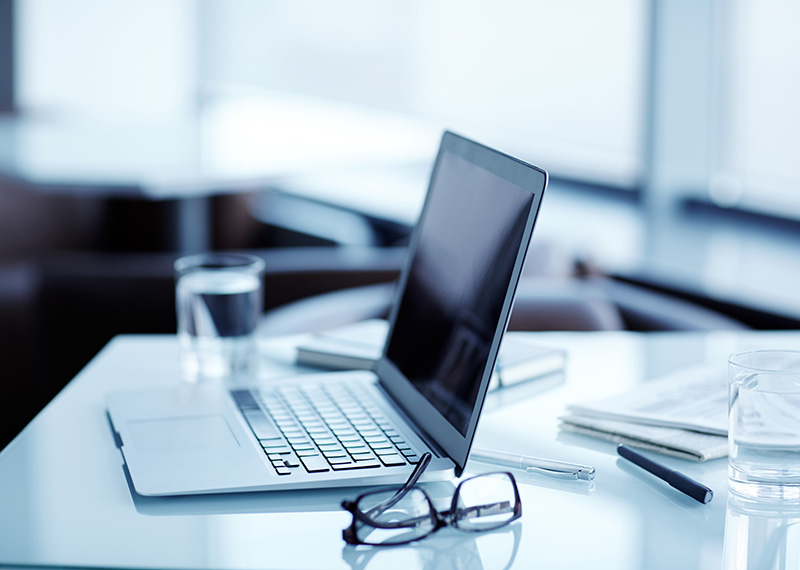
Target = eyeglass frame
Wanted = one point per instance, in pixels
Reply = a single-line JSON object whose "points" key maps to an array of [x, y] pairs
{"points": [[440, 519]]}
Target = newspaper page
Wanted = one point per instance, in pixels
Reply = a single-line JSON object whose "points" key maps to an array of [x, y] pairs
{"points": [[694, 398]]}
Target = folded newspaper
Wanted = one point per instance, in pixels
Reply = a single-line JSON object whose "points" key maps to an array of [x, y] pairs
{"points": [[683, 414]]}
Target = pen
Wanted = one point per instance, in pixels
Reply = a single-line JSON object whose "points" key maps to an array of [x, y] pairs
{"points": [[679, 481], [535, 464]]}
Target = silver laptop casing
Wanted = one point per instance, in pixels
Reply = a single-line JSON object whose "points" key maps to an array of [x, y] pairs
{"points": [[194, 439]]}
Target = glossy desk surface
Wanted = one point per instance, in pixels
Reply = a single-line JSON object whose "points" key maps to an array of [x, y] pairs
{"points": [[65, 500]]}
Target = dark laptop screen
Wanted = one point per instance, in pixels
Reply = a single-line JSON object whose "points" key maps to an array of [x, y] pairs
{"points": [[468, 242]]}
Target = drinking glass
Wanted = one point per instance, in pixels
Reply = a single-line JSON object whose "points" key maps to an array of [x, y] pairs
{"points": [[764, 424], [219, 301]]}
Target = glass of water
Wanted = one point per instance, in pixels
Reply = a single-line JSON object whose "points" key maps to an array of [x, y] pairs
{"points": [[219, 301], [764, 424]]}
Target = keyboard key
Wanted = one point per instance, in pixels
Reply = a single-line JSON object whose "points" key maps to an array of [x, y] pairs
{"points": [[334, 453], [386, 452], [338, 460], [315, 464], [244, 399], [375, 438], [362, 456], [390, 460], [291, 460], [357, 465], [324, 439], [283, 471], [261, 425], [306, 452], [269, 440], [297, 439], [276, 446]]}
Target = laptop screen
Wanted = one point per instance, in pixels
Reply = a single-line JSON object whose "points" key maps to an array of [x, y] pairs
{"points": [[467, 252]]}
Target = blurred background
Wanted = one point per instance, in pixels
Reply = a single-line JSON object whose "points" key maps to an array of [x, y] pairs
{"points": [[133, 132]]}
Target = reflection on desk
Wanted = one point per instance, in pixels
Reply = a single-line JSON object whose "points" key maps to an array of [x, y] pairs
{"points": [[315, 501], [485, 551], [761, 534]]}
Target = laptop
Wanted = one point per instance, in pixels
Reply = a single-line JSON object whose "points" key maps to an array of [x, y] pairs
{"points": [[353, 428]]}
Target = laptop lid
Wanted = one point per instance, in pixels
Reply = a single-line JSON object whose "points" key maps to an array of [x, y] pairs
{"points": [[456, 293]]}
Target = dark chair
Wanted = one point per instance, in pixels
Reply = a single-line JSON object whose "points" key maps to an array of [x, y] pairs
{"points": [[556, 293], [540, 305]]}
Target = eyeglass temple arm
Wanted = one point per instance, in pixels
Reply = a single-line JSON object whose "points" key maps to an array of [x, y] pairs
{"points": [[402, 491]]}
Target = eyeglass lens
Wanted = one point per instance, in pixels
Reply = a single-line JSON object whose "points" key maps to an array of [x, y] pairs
{"points": [[485, 502], [410, 518]]}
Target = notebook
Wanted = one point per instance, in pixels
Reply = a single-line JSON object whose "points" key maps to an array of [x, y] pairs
{"points": [[353, 428]]}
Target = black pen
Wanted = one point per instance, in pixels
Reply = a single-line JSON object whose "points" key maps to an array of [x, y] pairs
{"points": [[681, 482]]}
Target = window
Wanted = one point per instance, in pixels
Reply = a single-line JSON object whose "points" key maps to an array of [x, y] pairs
{"points": [[760, 139], [562, 81], [107, 59]]}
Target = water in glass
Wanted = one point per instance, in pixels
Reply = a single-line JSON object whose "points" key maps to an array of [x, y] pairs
{"points": [[217, 317]]}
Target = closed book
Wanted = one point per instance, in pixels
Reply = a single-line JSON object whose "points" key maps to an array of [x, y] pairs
{"points": [[360, 345]]}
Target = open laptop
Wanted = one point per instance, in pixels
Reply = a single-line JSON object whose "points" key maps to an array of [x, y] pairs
{"points": [[364, 427]]}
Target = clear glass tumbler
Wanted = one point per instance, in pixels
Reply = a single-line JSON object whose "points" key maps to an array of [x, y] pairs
{"points": [[764, 424], [219, 300]]}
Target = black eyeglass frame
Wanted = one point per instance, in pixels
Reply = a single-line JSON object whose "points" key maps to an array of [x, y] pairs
{"points": [[439, 520]]}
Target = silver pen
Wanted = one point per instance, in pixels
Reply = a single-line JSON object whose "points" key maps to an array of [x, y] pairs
{"points": [[549, 467]]}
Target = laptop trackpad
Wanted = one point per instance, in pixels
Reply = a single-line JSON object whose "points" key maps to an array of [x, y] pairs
{"points": [[182, 434]]}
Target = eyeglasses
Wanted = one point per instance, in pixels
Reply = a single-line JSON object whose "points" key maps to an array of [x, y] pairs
{"points": [[406, 514]]}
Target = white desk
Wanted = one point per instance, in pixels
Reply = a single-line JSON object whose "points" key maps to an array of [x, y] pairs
{"points": [[65, 501]]}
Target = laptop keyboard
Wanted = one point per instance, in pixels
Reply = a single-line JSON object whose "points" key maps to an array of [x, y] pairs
{"points": [[321, 428]]}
